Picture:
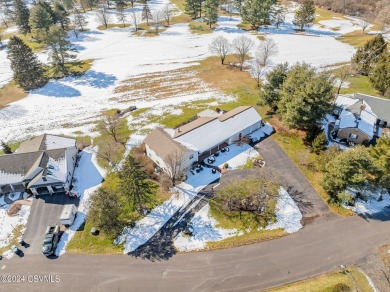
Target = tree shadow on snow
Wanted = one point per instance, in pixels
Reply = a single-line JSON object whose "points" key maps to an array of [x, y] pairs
{"points": [[289, 28], [57, 89], [161, 246], [96, 79], [230, 29], [383, 215]]}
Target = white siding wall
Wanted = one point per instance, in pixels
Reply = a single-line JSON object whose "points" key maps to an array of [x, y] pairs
{"points": [[187, 160], [71, 153], [156, 159], [244, 132]]}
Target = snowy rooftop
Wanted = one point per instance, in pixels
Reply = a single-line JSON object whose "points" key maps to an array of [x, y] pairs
{"points": [[57, 169], [45, 155], [358, 115], [217, 130], [379, 106]]}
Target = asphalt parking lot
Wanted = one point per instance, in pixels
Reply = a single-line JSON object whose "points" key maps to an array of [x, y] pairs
{"points": [[45, 211]]}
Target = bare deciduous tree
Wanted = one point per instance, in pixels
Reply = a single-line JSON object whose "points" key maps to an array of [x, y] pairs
{"points": [[241, 46], [220, 46], [363, 24], [121, 15], [384, 15], [103, 15], [110, 152], [167, 12], [174, 162], [112, 125], [342, 75], [78, 21], [135, 19], [265, 51], [157, 16], [258, 70]]}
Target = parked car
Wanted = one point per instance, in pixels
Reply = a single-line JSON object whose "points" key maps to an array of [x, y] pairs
{"points": [[68, 215], [15, 249], [50, 241]]}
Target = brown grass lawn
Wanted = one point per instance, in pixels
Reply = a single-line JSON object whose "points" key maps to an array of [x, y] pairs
{"points": [[201, 27], [324, 14], [356, 38], [11, 92], [324, 283], [112, 25]]}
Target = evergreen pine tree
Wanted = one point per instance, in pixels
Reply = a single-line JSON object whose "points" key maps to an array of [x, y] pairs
{"points": [[380, 154], [319, 143], [28, 71], [22, 15], [6, 148], [134, 185], [257, 12], [60, 50], [211, 11], [305, 97], [380, 77], [40, 21], [146, 14], [193, 7], [106, 208], [270, 91], [350, 168], [61, 15], [305, 14], [366, 56]]}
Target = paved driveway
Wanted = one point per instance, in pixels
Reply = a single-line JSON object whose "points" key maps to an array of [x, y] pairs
{"points": [[45, 211], [308, 200]]}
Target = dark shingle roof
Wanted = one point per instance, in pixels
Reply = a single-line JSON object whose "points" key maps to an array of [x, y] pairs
{"points": [[380, 106], [20, 163]]}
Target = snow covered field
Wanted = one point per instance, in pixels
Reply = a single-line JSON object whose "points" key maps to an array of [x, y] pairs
{"points": [[206, 227], [88, 177], [72, 104]]}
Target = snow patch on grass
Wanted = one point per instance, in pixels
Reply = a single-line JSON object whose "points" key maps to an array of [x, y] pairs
{"points": [[204, 230], [288, 215], [374, 205]]}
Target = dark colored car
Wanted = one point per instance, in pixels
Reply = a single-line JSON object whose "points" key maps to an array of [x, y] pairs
{"points": [[50, 241]]}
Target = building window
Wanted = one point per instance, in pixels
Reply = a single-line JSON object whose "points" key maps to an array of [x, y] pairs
{"points": [[191, 156], [353, 136]]}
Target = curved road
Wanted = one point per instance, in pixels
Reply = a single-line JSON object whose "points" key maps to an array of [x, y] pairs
{"points": [[317, 248]]}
